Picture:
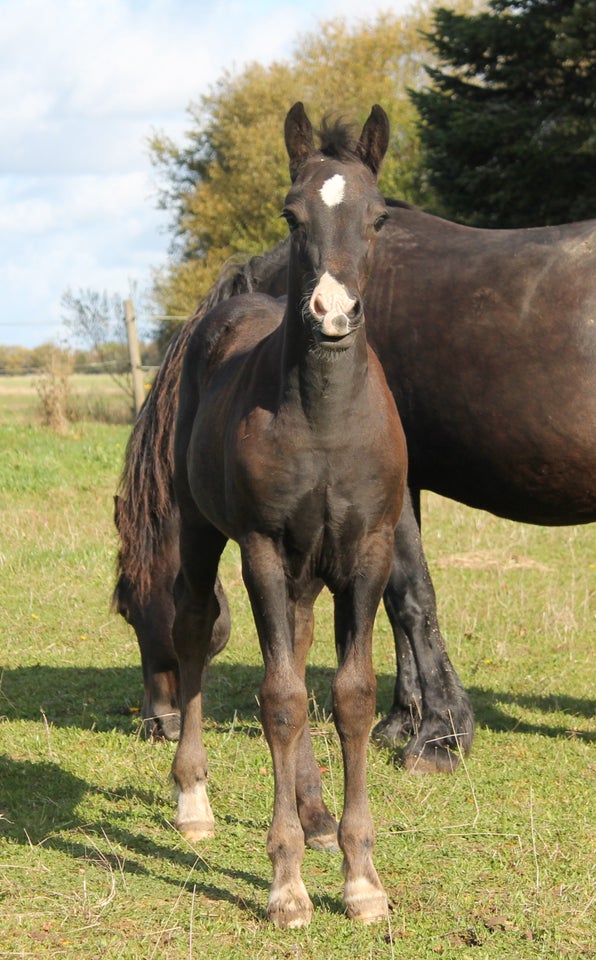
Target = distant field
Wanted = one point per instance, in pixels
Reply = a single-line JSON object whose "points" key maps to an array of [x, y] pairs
{"points": [[91, 396], [494, 863]]}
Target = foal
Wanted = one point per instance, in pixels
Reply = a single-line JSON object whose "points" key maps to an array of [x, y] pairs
{"points": [[289, 442]]}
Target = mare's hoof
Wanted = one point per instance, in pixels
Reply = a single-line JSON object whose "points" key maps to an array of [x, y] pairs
{"points": [[327, 842], [430, 758], [321, 832], [392, 731], [365, 902], [196, 830], [290, 907], [165, 727]]}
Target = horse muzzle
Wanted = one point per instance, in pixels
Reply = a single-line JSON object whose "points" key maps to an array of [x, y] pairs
{"points": [[337, 312]]}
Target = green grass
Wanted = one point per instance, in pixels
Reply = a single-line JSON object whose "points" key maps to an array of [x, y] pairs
{"points": [[493, 863]]}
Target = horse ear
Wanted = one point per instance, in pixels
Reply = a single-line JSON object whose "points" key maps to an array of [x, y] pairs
{"points": [[374, 139], [300, 142]]}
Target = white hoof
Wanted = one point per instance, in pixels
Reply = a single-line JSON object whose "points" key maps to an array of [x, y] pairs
{"points": [[195, 819], [365, 901], [290, 906]]}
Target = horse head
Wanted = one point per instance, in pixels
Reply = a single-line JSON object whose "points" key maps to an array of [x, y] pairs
{"points": [[334, 210]]}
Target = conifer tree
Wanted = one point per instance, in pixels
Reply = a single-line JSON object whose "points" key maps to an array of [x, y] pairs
{"points": [[508, 127]]}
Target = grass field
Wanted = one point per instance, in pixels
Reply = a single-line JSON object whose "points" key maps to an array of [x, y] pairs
{"points": [[495, 862], [98, 397]]}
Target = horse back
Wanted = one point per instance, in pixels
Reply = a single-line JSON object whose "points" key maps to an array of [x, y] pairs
{"points": [[230, 330], [489, 348]]}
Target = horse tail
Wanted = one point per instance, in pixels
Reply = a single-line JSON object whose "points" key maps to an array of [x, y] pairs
{"points": [[145, 502]]}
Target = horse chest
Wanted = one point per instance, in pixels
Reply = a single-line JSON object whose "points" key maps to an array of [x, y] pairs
{"points": [[316, 504]]}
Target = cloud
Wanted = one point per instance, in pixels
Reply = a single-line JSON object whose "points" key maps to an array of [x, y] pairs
{"points": [[82, 85]]}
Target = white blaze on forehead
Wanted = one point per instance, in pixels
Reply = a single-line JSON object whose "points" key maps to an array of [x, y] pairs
{"points": [[333, 190]]}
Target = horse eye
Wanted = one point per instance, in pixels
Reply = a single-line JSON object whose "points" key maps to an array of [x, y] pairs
{"points": [[380, 221], [290, 219]]}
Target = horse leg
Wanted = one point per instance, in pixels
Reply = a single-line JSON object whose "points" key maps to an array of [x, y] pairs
{"points": [[284, 717], [152, 618], [197, 610], [354, 691], [429, 702], [319, 825]]}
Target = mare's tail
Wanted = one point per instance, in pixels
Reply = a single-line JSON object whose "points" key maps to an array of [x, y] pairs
{"points": [[145, 504]]}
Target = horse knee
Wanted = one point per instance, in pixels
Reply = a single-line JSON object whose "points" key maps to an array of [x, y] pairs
{"points": [[354, 699], [284, 706]]}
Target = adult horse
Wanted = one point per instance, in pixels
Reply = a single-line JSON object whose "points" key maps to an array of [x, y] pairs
{"points": [[288, 441], [488, 342]]}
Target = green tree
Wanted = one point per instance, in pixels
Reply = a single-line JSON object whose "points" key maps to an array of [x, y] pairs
{"points": [[225, 186], [509, 125]]}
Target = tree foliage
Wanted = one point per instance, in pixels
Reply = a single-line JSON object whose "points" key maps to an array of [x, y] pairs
{"points": [[225, 186], [509, 125]]}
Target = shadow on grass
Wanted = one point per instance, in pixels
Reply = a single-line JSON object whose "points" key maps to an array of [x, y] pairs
{"points": [[490, 710], [109, 698], [38, 807]]}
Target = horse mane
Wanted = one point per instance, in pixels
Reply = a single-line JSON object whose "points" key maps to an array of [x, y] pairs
{"points": [[337, 138], [145, 503]]}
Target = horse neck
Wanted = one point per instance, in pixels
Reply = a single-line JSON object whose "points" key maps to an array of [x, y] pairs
{"points": [[326, 383]]}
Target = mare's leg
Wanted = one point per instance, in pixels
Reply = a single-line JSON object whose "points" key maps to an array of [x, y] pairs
{"points": [[197, 610], [430, 704], [354, 692], [152, 618], [284, 718], [319, 825]]}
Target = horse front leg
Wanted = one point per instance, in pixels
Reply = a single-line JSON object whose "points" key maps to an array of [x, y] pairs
{"points": [[354, 697], [197, 610], [284, 718], [319, 825], [430, 705]]}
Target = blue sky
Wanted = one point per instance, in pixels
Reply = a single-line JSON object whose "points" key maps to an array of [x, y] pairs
{"points": [[82, 85]]}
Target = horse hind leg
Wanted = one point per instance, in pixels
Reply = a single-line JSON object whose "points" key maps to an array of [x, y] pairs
{"points": [[197, 610], [430, 705], [152, 618]]}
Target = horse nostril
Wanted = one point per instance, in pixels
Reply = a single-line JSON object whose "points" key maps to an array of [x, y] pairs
{"points": [[355, 310], [318, 307]]}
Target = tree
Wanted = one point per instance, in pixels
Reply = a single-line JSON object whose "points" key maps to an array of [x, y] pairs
{"points": [[509, 126], [225, 186], [97, 321]]}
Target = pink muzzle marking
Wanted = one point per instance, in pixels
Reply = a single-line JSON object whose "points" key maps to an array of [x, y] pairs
{"points": [[331, 303]]}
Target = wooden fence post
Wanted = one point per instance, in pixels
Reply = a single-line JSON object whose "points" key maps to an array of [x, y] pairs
{"points": [[134, 354]]}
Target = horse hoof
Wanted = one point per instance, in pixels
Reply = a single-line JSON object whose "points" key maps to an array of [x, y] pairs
{"points": [[327, 842], [365, 902], [196, 830], [290, 907], [165, 727], [169, 726], [320, 831], [430, 759], [391, 731]]}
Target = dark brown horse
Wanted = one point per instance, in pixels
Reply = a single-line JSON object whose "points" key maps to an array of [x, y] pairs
{"points": [[288, 441], [488, 342]]}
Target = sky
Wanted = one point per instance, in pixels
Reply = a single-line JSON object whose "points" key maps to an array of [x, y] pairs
{"points": [[83, 84]]}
